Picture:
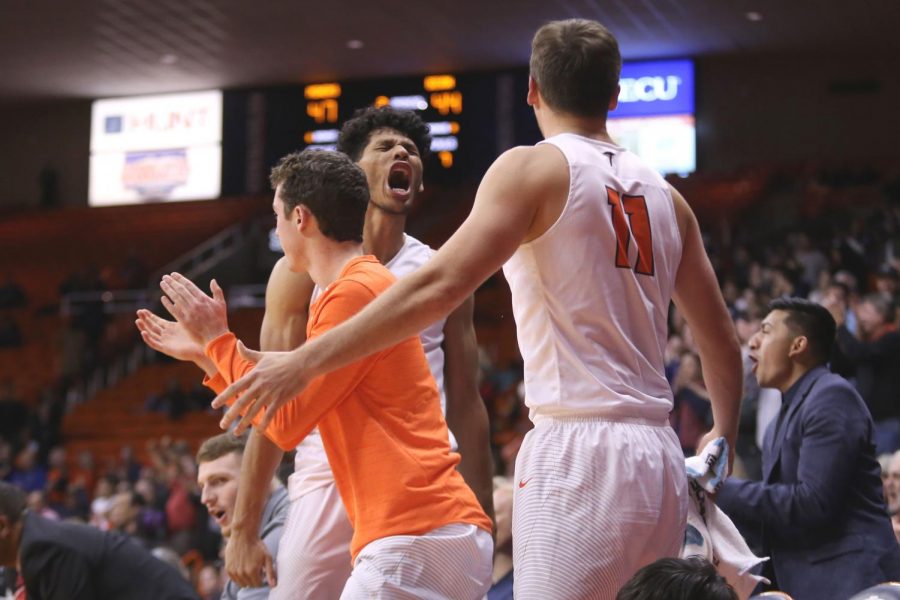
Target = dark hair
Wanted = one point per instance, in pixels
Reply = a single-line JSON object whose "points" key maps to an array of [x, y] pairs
{"points": [[692, 578], [355, 133], [219, 446], [330, 185], [12, 502], [810, 320], [576, 65]]}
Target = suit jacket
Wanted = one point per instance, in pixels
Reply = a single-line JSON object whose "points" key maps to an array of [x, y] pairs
{"points": [[820, 506], [69, 561]]}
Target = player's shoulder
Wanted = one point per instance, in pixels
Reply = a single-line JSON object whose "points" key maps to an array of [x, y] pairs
{"points": [[288, 287], [533, 169], [364, 276], [414, 246]]}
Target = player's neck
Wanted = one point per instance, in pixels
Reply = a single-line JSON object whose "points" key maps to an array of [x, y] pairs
{"points": [[383, 234], [556, 123], [327, 260]]}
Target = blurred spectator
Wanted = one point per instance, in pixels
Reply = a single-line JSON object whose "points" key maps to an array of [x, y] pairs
{"points": [[875, 355], [13, 413], [692, 415], [37, 504], [10, 334], [209, 583], [11, 293], [102, 503], [28, 474], [759, 407], [171, 558]]}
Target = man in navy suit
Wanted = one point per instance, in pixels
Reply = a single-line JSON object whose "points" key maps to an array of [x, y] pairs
{"points": [[819, 508], [68, 561]]}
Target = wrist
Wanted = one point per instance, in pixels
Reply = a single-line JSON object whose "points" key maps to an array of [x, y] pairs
{"points": [[210, 334]]}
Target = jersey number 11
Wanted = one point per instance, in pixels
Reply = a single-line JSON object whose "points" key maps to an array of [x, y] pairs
{"points": [[637, 226]]}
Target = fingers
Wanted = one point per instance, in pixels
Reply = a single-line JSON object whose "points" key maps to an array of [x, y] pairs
{"points": [[174, 310], [231, 391], [217, 293], [251, 355], [174, 289]]}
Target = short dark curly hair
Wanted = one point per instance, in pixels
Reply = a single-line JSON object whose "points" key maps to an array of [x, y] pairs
{"points": [[330, 185], [355, 133]]}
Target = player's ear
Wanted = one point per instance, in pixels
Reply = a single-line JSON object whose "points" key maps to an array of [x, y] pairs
{"points": [[614, 101], [302, 216], [533, 95]]}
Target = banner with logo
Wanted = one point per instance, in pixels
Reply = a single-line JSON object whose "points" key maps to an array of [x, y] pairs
{"points": [[156, 148]]}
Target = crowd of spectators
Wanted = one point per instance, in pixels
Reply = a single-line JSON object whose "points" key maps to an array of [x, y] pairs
{"points": [[846, 257]]}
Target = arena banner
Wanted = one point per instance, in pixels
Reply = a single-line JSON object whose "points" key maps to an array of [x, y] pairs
{"points": [[156, 148]]}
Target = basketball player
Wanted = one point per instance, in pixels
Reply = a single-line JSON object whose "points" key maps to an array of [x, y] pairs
{"points": [[312, 560], [595, 245], [380, 419]]}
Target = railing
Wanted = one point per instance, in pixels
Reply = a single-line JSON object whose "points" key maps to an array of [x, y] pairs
{"points": [[193, 264]]}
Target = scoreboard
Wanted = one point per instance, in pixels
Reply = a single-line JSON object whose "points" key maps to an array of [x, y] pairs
{"points": [[473, 117], [461, 111]]}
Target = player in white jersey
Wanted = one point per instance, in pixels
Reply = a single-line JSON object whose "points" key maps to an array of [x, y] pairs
{"points": [[314, 557], [595, 246]]}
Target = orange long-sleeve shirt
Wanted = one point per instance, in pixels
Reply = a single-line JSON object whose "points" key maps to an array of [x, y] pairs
{"points": [[380, 420]]}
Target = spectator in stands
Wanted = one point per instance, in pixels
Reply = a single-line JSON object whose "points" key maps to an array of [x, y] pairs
{"points": [[692, 415], [102, 503], [37, 503], [875, 355], [60, 561], [131, 468], [28, 473], [11, 293], [209, 584], [811, 260], [820, 504], [692, 578], [10, 334], [892, 483], [218, 473], [758, 406]]}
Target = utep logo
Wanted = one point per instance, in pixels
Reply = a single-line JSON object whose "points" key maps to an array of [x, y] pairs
{"points": [[113, 124], [155, 174], [649, 89]]}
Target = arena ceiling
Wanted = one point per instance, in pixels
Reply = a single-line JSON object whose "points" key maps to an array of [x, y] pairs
{"points": [[99, 48]]}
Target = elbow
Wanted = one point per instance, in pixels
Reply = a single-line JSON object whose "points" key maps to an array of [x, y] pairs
{"points": [[280, 434], [811, 511]]}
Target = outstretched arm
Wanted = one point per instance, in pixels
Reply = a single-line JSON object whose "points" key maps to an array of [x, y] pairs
{"points": [[466, 414], [283, 328], [505, 208]]}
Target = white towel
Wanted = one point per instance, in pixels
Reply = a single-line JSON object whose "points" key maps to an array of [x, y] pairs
{"points": [[710, 533]]}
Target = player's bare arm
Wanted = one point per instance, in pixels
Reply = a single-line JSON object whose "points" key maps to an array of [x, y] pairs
{"points": [[283, 328], [699, 299], [506, 212], [466, 414]]}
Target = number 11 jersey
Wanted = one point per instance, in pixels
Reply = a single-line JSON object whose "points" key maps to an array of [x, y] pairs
{"points": [[591, 294]]}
